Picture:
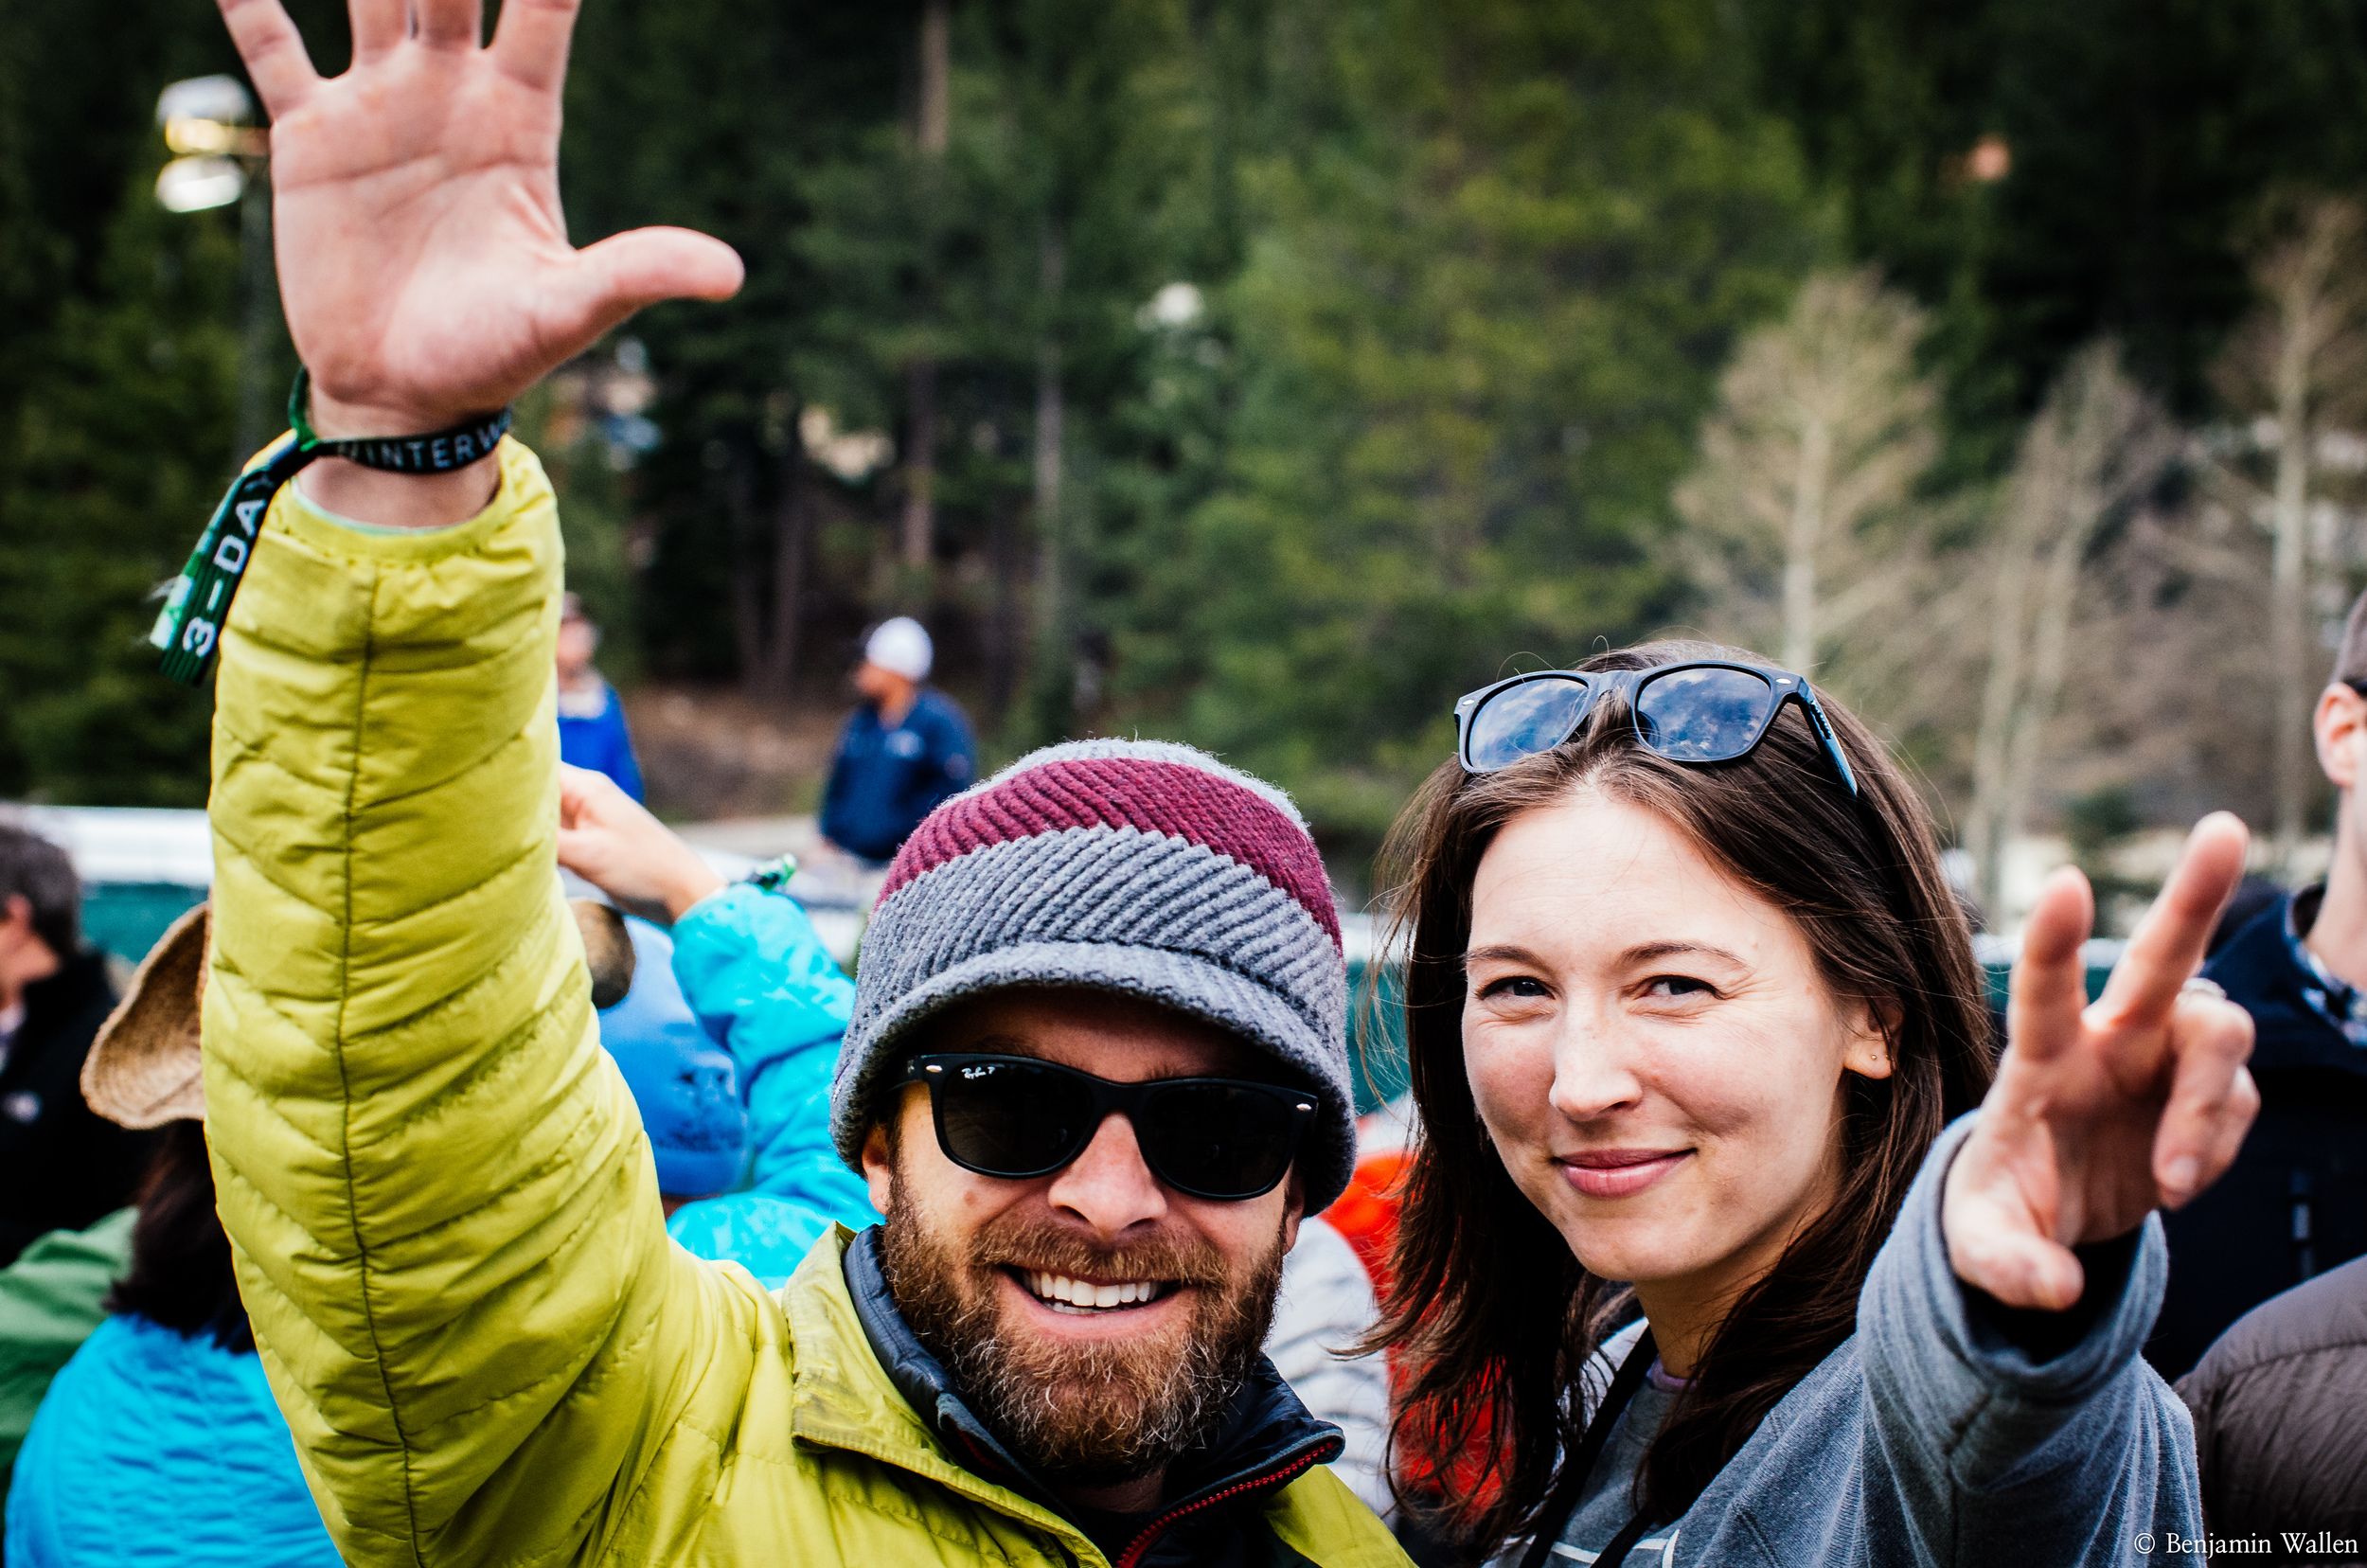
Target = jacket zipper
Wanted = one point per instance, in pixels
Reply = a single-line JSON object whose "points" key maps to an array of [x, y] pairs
{"points": [[1289, 1470]]}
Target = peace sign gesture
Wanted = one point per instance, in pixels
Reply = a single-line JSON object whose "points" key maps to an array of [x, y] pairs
{"points": [[2103, 1111], [423, 261]]}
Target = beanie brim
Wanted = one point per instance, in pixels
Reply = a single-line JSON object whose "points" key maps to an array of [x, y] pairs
{"points": [[1185, 982]]}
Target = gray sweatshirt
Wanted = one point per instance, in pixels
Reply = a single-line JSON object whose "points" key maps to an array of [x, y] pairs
{"points": [[1928, 1437]]}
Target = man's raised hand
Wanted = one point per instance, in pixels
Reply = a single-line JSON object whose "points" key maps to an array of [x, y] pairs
{"points": [[423, 262], [2103, 1111]]}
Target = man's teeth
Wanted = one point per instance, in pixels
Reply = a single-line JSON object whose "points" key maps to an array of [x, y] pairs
{"points": [[1059, 1290]]}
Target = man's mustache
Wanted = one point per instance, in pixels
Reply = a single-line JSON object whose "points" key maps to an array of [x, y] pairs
{"points": [[1037, 1247]]}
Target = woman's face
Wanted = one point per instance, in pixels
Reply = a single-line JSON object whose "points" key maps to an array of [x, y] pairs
{"points": [[1652, 1050]]}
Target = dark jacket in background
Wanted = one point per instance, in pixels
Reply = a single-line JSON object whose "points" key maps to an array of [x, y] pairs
{"points": [[2280, 1409], [63, 1165], [2294, 1204], [883, 780]]}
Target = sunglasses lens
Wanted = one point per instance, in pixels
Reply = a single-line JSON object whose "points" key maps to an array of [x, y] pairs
{"points": [[1704, 715], [1011, 1118], [1213, 1140], [1525, 720]]}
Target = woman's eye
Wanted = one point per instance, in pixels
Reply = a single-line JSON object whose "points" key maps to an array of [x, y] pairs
{"points": [[1516, 985], [1678, 985]]}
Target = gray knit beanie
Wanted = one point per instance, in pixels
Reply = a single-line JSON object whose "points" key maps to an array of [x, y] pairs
{"points": [[1133, 866]]}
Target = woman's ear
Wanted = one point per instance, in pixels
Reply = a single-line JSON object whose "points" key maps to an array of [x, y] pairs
{"points": [[1873, 1027]]}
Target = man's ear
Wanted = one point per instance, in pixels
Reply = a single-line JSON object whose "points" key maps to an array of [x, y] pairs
{"points": [[1293, 1208], [878, 1162], [2341, 723]]}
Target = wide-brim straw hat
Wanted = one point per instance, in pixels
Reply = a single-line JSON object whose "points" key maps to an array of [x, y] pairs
{"points": [[146, 1068]]}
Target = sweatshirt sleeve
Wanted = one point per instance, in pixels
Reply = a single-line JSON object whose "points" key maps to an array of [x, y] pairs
{"points": [[50, 1299], [1989, 1441], [763, 984], [443, 1210]]}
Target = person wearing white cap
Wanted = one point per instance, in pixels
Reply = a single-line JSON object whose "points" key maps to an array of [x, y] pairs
{"points": [[904, 749]]}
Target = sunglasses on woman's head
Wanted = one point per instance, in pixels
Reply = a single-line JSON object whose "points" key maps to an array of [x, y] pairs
{"points": [[1703, 711], [1016, 1118]]}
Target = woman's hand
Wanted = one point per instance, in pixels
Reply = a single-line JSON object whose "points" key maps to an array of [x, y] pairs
{"points": [[423, 260], [2103, 1111], [611, 841]]}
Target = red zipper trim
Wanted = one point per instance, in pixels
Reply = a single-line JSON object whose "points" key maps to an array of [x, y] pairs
{"points": [[1159, 1527]]}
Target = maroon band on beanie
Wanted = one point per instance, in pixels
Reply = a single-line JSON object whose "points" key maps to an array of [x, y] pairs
{"points": [[1150, 795]]}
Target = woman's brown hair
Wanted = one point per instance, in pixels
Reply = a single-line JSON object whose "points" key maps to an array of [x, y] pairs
{"points": [[1491, 1316], [181, 1272]]}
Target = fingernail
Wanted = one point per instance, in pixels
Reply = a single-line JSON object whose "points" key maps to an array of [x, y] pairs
{"points": [[2183, 1172]]}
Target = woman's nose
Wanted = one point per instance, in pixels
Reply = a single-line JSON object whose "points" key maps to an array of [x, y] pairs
{"points": [[1593, 1073]]}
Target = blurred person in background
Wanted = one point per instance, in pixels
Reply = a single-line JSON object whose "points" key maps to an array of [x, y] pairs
{"points": [[742, 972], [704, 1112], [2280, 1407], [592, 730], [50, 1299], [2295, 1202], [906, 748], [158, 1441], [1327, 1306], [61, 1166]]}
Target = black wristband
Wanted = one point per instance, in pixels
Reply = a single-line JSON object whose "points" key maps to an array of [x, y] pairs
{"points": [[196, 605]]}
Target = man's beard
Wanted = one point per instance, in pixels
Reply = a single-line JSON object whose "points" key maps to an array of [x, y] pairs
{"points": [[1079, 1414]]}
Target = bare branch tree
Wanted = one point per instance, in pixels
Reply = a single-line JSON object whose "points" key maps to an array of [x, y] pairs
{"points": [[1804, 534], [2097, 444], [2297, 367]]}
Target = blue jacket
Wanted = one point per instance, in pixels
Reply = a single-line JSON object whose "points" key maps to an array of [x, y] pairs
{"points": [[884, 781], [154, 1449], [602, 743], [2294, 1203], [764, 988]]}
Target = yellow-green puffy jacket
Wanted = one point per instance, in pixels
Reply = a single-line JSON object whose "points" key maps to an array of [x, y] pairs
{"points": [[445, 1214]]}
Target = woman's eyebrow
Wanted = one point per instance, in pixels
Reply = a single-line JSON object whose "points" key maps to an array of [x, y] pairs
{"points": [[1646, 953], [1502, 953]]}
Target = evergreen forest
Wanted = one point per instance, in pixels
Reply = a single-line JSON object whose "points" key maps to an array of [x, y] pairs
{"points": [[1266, 373]]}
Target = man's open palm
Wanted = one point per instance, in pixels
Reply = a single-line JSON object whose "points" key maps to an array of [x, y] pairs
{"points": [[2103, 1111], [423, 261]]}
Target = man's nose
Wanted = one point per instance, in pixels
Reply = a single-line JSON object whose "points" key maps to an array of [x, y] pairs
{"points": [[1108, 1185]]}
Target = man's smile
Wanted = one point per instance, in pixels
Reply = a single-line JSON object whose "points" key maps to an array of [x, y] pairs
{"points": [[1061, 1293]]}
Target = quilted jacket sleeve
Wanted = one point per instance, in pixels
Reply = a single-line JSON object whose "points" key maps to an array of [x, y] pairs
{"points": [[445, 1215], [761, 982]]}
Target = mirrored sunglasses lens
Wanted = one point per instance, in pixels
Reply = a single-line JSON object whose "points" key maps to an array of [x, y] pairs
{"points": [[1215, 1140], [1525, 720], [1702, 715], [1010, 1118]]}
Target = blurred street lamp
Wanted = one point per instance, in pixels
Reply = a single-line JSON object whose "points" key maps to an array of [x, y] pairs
{"points": [[222, 159]]}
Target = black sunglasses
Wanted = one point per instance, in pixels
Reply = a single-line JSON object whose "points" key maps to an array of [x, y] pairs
{"points": [[1015, 1117], [1703, 711]]}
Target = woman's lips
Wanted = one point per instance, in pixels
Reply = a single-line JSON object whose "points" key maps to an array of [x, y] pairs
{"points": [[1620, 1172]]}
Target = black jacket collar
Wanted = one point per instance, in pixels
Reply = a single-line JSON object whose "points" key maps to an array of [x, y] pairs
{"points": [[2259, 974], [1268, 1440]]}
